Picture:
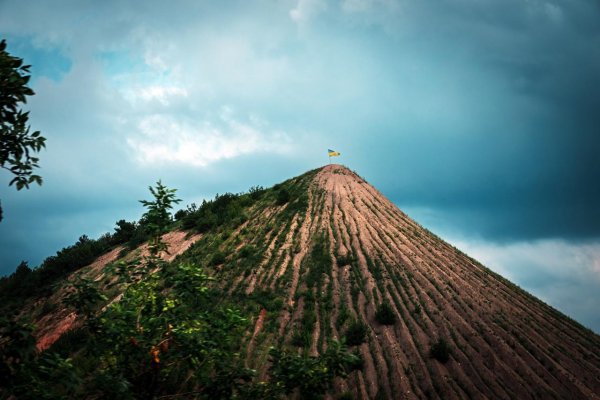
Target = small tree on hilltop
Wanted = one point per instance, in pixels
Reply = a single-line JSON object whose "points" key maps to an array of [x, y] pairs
{"points": [[158, 216]]}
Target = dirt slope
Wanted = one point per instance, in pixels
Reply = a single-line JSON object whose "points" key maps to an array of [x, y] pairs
{"points": [[51, 324], [505, 343]]}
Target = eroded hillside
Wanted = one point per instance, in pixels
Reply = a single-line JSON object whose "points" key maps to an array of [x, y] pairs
{"points": [[350, 250], [326, 256]]}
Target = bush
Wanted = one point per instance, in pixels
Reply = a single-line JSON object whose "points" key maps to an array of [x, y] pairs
{"points": [[123, 232], [345, 259], [256, 192], [300, 339], [342, 317], [283, 196], [206, 221], [440, 351], [320, 262], [226, 210], [356, 333], [179, 215], [303, 336], [417, 310], [311, 376], [385, 314], [139, 237], [247, 251], [217, 258]]}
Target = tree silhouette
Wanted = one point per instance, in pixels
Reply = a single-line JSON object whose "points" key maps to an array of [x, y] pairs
{"points": [[17, 143]]}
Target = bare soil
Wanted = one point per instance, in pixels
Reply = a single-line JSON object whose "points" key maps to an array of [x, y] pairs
{"points": [[51, 325], [505, 344]]}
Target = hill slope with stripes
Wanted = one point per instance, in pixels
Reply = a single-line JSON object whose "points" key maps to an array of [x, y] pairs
{"points": [[352, 250], [325, 256]]}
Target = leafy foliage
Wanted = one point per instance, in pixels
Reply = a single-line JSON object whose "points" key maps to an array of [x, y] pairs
{"points": [[440, 351], [24, 282], [345, 259], [283, 196], [385, 314], [26, 375], [311, 375], [224, 210], [256, 192], [320, 261], [123, 232], [158, 217], [356, 333], [217, 258], [17, 143], [303, 335], [169, 335]]}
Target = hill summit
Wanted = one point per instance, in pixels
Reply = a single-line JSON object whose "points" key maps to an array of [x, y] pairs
{"points": [[502, 342], [326, 256]]}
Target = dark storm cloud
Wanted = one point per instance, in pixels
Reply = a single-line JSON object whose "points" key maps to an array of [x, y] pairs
{"points": [[522, 161], [475, 109], [478, 118], [539, 190]]}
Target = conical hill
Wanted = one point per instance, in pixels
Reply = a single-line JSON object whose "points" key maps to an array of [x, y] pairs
{"points": [[326, 256], [352, 250]]}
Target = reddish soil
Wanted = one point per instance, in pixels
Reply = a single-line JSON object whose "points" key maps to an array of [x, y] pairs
{"points": [[505, 344], [50, 326], [257, 328], [177, 243], [53, 326]]}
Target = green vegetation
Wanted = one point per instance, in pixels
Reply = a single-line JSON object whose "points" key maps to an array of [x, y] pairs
{"points": [[247, 251], [226, 209], [283, 196], [343, 315], [303, 335], [158, 217], [319, 262], [17, 143], [345, 396], [124, 232], [345, 259], [25, 282], [312, 376], [440, 351], [217, 258], [385, 314], [171, 334], [356, 333], [197, 327]]}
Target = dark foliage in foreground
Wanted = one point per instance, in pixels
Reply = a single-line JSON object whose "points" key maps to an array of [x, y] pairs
{"points": [[169, 335]]}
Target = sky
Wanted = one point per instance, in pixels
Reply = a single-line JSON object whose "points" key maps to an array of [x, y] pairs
{"points": [[477, 118]]}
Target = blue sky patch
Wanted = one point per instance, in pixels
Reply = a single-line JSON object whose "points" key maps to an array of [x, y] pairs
{"points": [[47, 62]]}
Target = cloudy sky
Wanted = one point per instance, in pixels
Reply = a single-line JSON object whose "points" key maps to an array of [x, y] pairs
{"points": [[480, 119]]}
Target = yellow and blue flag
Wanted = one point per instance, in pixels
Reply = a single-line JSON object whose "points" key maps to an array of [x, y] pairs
{"points": [[333, 153]]}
